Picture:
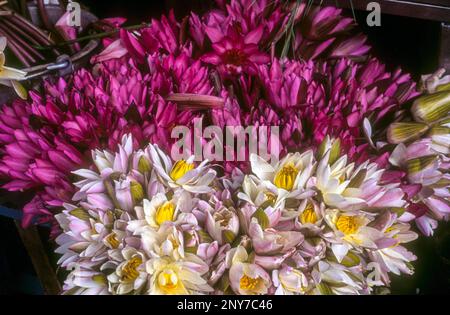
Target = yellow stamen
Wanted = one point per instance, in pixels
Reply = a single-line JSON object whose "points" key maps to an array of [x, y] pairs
{"points": [[168, 280], [270, 197], [165, 213], [129, 271], [180, 169], [285, 178], [308, 215], [247, 283], [112, 240], [347, 224]]}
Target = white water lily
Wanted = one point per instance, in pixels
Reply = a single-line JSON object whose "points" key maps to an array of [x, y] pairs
{"points": [[348, 188], [126, 235], [129, 274], [289, 176], [160, 210], [350, 230], [261, 194], [246, 277], [309, 217], [183, 173], [171, 277]]}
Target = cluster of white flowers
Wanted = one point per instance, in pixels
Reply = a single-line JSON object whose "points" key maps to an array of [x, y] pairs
{"points": [[312, 224]]}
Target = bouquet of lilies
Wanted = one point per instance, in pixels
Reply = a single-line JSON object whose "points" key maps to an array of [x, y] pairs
{"points": [[314, 223], [363, 153]]}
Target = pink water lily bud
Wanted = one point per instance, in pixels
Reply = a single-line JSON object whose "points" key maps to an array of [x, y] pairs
{"points": [[222, 225], [270, 241]]}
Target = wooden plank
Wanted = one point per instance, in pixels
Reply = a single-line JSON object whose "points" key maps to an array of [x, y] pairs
{"points": [[33, 244], [444, 53], [428, 10]]}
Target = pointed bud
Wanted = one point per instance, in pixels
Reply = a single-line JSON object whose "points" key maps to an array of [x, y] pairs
{"points": [[144, 164], [430, 108], [421, 163], [404, 132], [137, 192], [443, 87]]}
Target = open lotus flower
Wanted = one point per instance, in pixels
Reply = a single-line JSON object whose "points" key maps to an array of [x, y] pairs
{"points": [[183, 173], [170, 277], [309, 217], [350, 230], [288, 281], [245, 277], [347, 188], [235, 53], [288, 176], [160, 211], [130, 275], [260, 194]]}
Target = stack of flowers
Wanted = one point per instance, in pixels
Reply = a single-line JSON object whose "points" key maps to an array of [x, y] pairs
{"points": [[214, 67], [311, 224], [421, 159], [89, 149]]}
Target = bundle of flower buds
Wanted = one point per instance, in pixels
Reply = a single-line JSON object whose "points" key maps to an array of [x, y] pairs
{"points": [[235, 65], [421, 159], [311, 223]]}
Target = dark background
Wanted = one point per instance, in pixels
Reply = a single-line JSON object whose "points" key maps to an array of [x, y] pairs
{"points": [[410, 43]]}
